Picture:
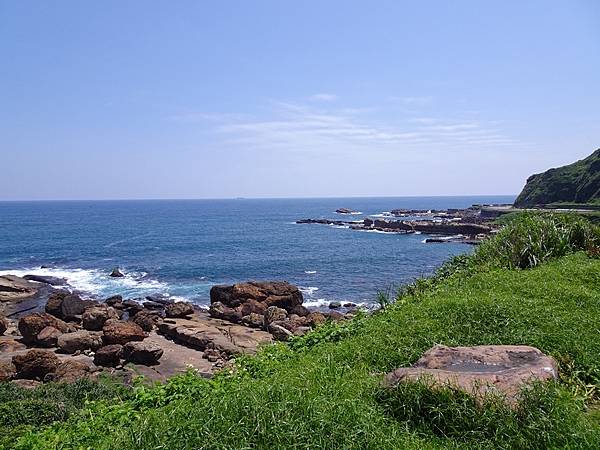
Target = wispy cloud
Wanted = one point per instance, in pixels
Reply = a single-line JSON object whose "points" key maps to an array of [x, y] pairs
{"points": [[323, 97]]}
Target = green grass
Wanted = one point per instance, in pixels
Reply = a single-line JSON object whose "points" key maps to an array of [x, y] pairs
{"points": [[323, 390], [327, 394]]}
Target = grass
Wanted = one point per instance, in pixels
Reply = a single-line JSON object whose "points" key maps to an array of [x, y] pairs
{"points": [[324, 391]]}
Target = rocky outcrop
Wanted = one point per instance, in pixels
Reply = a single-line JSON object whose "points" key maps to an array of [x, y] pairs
{"points": [[93, 318], [35, 364], [481, 370], [116, 273], [144, 353], [119, 332], [179, 309], [67, 306], [16, 288], [31, 325]]}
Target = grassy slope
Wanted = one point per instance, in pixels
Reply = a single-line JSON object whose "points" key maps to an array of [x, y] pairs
{"points": [[328, 395]]}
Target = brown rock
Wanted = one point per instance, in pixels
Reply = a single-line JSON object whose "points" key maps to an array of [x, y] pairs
{"points": [[11, 346], [147, 320], [16, 288], [119, 332], [142, 353], [109, 355], [54, 302], [79, 341], [220, 311], [179, 309], [497, 369], [48, 337], [69, 371], [3, 325], [7, 370], [67, 306], [253, 320], [274, 314], [253, 307], [115, 299], [271, 293], [26, 384], [31, 325], [93, 318], [279, 332], [35, 364], [300, 310], [316, 318]]}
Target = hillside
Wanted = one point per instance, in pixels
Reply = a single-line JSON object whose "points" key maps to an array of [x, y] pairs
{"points": [[575, 183]]}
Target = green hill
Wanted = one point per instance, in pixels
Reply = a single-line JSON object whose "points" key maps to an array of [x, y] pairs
{"points": [[575, 183]]}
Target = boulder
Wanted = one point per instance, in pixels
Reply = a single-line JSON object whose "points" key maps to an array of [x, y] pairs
{"points": [[16, 288], [109, 355], [116, 273], [271, 293], [153, 305], [93, 318], [316, 318], [335, 305], [179, 309], [146, 319], [349, 305], [79, 341], [7, 370], [67, 306], [119, 332], [132, 307], [274, 314], [31, 325], [113, 300], [220, 311], [69, 371], [142, 353], [48, 337], [3, 325], [300, 310], [253, 320], [35, 364], [480, 370]]}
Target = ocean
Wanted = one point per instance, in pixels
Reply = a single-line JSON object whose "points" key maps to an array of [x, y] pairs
{"points": [[180, 248]]}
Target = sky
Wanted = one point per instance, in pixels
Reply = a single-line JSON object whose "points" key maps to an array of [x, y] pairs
{"points": [[324, 98]]}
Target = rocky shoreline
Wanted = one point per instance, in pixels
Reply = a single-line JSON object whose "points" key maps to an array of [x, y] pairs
{"points": [[64, 337]]}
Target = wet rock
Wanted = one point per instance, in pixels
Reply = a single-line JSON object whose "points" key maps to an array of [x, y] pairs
{"points": [[253, 320], [335, 305], [53, 281], [3, 325], [35, 364], [31, 325], [119, 332], [7, 370], [48, 337], [113, 300], [79, 341], [480, 370], [274, 314], [220, 311], [349, 305], [116, 273], [147, 320], [158, 299], [69, 371], [142, 353], [153, 305], [179, 309], [132, 306], [93, 318], [109, 355]]}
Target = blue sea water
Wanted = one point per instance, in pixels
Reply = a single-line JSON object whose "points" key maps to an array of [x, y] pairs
{"points": [[181, 248]]}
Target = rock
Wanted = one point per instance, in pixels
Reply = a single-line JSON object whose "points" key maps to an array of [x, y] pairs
{"points": [[3, 325], [335, 305], [316, 318], [279, 332], [300, 311], [31, 325], [162, 300], [16, 288], [274, 314], [116, 273], [146, 319], [109, 355], [35, 364], [497, 369], [26, 384], [349, 305], [52, 281], [69, 371], [270, 293], [11, 346], [142, 353], [252, 306], [93, 318], [67, 306], [115, 299], [48, 337], [132, 306], [119, 332], [253, 320], [153, 305], [334, 315], [7, 370], [301, 331], [79, 341], [220, 311], [212, 355], [179, 309]]}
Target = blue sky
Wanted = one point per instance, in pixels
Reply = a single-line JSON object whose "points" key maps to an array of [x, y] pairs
{"points": [[126, 99]]}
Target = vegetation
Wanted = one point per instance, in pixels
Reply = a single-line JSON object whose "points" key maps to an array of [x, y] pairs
{"points": [[575, 183], [536, 283]]}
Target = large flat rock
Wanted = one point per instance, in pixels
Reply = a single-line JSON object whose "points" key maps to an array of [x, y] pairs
{"points": [[16, 288], [480, 370]]}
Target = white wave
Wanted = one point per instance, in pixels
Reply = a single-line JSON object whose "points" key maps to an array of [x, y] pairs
{"points": [[340, 226], [383, 214], [318, 303], [123, 241], [308, 290], [310, 272]]}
